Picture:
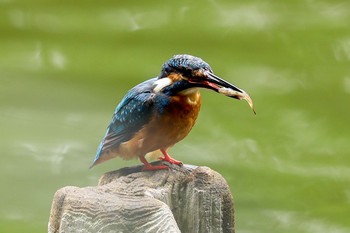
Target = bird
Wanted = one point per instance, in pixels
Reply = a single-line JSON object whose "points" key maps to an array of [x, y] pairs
{"points": [[158, 113]]}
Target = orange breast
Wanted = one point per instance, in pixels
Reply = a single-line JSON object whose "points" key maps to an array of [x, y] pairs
{"points": [[164, 130]]}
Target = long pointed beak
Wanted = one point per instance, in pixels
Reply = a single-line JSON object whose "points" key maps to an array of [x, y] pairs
{"points": [[221, 86]]}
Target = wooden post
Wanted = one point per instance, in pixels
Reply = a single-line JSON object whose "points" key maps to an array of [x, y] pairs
{"points": [[184, 199]]}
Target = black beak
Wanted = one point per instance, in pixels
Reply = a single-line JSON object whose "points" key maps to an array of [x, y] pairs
{"points": [[222, 86], [220, 83]]}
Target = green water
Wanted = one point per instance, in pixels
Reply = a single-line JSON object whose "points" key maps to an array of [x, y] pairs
{"points": [[64, 65]]}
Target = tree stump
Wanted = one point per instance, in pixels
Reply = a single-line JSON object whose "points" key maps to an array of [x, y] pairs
{"points": [[182, 199]]}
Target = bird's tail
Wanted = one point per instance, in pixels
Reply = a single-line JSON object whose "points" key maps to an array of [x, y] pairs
{"points": [[99, 152]]}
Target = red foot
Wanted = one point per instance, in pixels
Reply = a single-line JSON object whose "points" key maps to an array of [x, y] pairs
{"points": [[169, 159], [149, 167], [154, 168]]}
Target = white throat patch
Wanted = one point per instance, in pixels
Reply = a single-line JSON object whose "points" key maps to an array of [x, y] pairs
{"points": [[189, 91], [161, 83]]}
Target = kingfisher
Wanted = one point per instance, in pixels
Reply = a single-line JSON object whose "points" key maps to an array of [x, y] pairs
{"points": [[157, 113]]}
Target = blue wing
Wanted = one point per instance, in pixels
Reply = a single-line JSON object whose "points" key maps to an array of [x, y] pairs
{"points": [[134, 111]]}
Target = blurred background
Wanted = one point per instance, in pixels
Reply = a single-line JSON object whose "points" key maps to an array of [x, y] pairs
{"points": [[65, 65]]}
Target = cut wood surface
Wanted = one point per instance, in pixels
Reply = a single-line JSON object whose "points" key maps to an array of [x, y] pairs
{"points": [[182, 199]]}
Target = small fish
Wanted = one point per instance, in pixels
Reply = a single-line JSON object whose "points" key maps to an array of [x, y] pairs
{"points": [[238, 95]]}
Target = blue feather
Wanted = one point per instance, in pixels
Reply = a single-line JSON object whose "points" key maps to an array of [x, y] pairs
{"points": [[131, 114]]}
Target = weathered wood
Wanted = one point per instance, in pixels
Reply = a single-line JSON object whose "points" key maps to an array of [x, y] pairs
{"points": [[182, 199]]}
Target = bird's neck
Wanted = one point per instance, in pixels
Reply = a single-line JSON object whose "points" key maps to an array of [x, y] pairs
{"points": [[189, 91], [190, 97]]}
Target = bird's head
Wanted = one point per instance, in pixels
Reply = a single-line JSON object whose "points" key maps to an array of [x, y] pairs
{"points": [[183, 74]]}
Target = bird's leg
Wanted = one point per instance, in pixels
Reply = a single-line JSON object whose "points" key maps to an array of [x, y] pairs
{"points": [[149, 167], [168, 158]]}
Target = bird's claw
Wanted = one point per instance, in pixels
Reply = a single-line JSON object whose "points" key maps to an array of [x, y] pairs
{"points": [[154, 168], [171, 160]]}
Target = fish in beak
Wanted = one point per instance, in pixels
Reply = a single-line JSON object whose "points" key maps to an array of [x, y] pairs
{"points": [[223, 87]]}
